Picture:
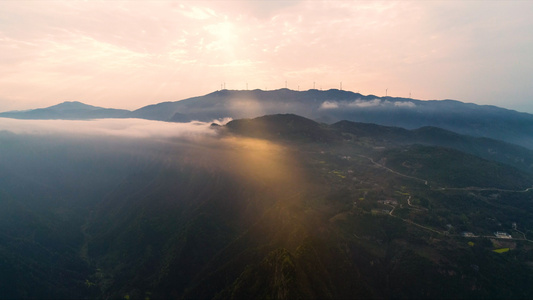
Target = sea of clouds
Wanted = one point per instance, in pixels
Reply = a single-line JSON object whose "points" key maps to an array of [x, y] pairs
{"points": [[130, 128], [375, 103]]}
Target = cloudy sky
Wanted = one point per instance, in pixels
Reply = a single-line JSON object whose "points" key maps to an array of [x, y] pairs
{"points": [[128, 54]]}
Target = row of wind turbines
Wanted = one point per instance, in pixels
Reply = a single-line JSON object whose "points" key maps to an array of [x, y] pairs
{"points": [[223, 87]]}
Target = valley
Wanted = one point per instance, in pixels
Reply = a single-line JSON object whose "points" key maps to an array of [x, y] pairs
{"points": [[274, 207]]}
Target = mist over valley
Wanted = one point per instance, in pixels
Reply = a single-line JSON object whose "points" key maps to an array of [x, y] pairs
{"points": [[277, 206]]}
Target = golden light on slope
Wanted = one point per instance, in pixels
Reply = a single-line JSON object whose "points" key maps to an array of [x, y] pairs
{"points": [[275, 174], [254, 161], [260, 161]]}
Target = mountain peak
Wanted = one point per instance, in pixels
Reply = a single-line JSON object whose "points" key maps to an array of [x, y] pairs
{"points": [[72, 105], [282, 126], [68, 110]]}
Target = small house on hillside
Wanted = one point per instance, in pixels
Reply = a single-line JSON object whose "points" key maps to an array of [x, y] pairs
{"points": [[502, 235]]}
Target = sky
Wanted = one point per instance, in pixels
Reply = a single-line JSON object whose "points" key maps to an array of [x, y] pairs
{"points": [[128, 54]]}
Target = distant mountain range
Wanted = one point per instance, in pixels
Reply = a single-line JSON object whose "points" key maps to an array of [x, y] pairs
{"points": [[70, 110], [323, 106]]}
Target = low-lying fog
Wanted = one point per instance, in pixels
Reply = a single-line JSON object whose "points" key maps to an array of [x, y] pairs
{"points": [[59, 151], [108, 127]]}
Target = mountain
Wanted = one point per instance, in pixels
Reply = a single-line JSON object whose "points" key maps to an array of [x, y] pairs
{"points": [[490, 149], [283, 126], [290, 127], [70, 110], [430, 153], [335, 105], [329, 106], [278, 206]]}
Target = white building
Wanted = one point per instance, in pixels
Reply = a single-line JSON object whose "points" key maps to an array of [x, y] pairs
{"points": [[502, 235]]}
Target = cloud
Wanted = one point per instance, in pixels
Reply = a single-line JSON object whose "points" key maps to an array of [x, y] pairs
{"points": [[197, 13], [364, 104], [359, 103], [222, 121], [329, 105], [407, 104], [116, 55], [130, 128]]}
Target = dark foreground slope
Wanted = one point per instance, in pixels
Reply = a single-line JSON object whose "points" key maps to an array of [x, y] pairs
{"points": [[275, 207]]}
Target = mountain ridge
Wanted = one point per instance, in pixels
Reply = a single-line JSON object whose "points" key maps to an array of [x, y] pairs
{"points": [[335, 105], [290, 127], [68, 110], [329, 106]]}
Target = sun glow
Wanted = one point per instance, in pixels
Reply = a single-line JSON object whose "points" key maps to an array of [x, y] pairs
{"points": [[224, 37]]}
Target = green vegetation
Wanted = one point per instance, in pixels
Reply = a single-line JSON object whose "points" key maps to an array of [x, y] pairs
{"points": [[501, 250], [451, 168], [117, 219]]}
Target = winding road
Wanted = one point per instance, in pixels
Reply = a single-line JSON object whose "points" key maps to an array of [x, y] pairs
{"points": [[425, 181], [444, 189]]}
